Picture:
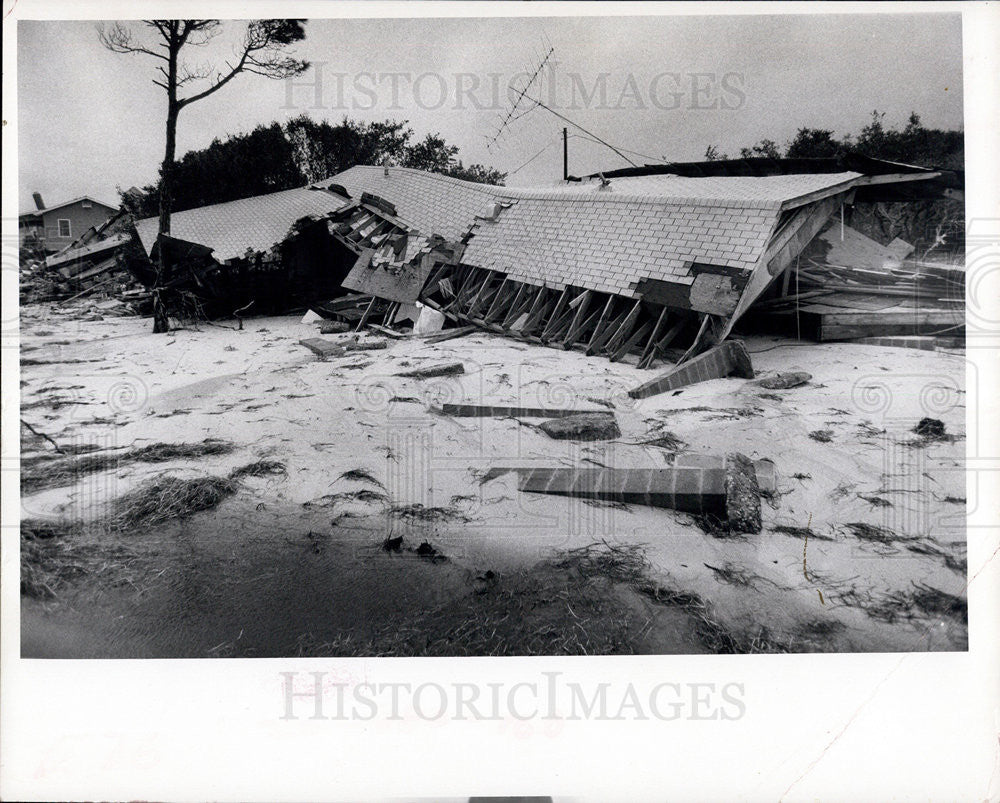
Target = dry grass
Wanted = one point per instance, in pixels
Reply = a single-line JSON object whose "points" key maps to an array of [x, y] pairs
{"points": [[41, 472], [872, 532], [165, 498], [360, 475], [922, 600], [418, 512], [53, 558], [259, 468], [800, 532], [576, 603]]}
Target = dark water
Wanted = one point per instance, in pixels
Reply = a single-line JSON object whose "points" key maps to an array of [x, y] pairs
{"points": [[239, 583]]}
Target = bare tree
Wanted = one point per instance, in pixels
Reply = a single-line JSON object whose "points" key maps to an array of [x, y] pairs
{"points": [[262, 51]]}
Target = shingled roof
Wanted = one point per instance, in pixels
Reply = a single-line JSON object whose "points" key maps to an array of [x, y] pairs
{"points": [[604, 235], [231, 228], [429, 202]]}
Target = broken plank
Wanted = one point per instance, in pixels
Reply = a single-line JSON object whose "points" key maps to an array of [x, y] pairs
{"points": [[385, 330], [448, 334], [447, 369], [506, 411], [324, 348]]}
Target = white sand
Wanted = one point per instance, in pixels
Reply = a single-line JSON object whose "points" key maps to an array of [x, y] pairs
{"points": [[262, 390]]}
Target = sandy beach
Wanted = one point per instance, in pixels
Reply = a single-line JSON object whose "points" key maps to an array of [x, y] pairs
{"points": [[862, 549]]}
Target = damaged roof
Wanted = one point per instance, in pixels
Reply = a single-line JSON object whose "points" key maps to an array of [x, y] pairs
{"points": [[428, 202], [606, 235], [231, 229]]}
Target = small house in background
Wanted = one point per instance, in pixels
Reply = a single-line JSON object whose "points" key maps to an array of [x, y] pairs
{"points": [[62, 224]]}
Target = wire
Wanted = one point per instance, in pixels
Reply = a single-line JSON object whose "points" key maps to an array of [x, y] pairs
{"points": [[549, 145], [659, 159]]}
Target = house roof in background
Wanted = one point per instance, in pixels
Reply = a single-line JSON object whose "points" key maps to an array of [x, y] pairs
{"points": [[231, 228], [53, 207]]}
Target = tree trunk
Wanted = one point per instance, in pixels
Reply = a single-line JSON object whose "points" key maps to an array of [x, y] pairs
{"points": [[160, 323]]}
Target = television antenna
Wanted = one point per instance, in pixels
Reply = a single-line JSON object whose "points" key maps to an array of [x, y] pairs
{"points": [[524, 103]]}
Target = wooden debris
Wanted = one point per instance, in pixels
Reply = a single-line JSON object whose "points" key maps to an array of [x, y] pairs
{"points": [[449, 334], [447, 369], [494, 411], [324, 348], [385, 330]]}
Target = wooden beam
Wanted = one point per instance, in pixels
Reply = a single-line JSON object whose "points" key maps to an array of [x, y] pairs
{"points": [[582, 303], [516, 306], [556, 312], [647, 352], [634, 338], [622, 332], [365, 314], [536, 303], [495, 308], [600, 322], [474, 303], [559, 326], [602, 336], [539, 313]]}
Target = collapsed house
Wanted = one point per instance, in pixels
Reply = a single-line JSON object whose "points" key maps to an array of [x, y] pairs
{"points": [[261, 251], [656, 263]]}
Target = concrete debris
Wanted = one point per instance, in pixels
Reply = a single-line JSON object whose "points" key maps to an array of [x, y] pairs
{"points": [[597, 426], [784, 381], [742, 494], [311, 317]]}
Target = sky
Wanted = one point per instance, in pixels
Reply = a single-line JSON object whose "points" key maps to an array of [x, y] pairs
{"points": [[655, 88]]}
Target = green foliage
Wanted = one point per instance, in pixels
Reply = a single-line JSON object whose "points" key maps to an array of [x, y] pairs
{"points": [[322, 150], [275, 157], [814, 143], [766, 149], [931, 226]]}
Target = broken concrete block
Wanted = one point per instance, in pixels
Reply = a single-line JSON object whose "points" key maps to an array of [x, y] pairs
{"points": [[333, 327], [742, 494], [598, 426], [791, 379], [311, 317], [324, 348], [719, 361], [447, 369]]}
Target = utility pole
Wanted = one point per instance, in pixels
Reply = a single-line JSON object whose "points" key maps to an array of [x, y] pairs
{"points": [[565, 154]]}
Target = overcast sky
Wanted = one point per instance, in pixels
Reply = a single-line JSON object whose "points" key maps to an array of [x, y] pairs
{"points": [[661, 87]]}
